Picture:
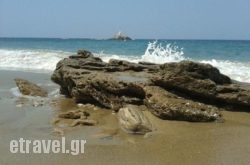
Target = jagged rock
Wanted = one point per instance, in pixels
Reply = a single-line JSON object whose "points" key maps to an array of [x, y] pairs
{"points": [[188, 77], [202, 82], [28, 88], [79, 78], [105, 90], [166, 105], [84, 54], [70, 115], [88, 122], [195, 70], [132, 120], [122, 65], [228, 95], [189, 85]]}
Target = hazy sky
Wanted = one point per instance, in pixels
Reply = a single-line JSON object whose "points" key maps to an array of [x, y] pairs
{"points": [[169, 19]]}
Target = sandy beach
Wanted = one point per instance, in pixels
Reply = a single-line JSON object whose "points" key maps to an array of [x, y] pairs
{"points": [[172, 142]]}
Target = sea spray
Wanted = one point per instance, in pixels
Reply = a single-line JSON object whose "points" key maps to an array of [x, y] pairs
{"points": [[156, 53]]}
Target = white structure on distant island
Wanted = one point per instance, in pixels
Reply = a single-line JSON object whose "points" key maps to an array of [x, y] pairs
{"points": [[120, 36]]}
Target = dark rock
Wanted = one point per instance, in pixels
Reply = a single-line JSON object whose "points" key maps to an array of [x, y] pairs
{"points": [[28, 88], [233, 94], [186, 89], [202, 82], [101, 88], [146, 63], [82, 56], [132, 120], [122, 65], [166, 105], [85, 114], [88, 122], [70, 115], [84, 53], [120, 36], [195, 70]]}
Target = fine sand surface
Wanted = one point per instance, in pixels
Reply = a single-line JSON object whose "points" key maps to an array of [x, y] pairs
{"points": [[173, 142]]}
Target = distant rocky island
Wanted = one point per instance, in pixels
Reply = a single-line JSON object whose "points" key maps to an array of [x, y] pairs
{"points": [[120, 36]]}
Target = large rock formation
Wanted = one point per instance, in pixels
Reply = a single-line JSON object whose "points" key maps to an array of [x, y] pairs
{"points": [[177, 91]]}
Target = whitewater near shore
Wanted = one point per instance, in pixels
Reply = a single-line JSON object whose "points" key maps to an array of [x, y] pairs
{"points": [[41, 55]]}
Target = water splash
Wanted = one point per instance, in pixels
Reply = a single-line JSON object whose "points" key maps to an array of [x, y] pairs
{"points": [[156, 53]]}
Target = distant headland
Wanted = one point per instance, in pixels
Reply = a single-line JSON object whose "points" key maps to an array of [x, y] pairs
{"points": [[120, 36]]}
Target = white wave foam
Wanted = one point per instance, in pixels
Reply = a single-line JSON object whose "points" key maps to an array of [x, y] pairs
{"points": [[15, 91], [235, 70], [46, 60], [107, 57], [30, 59]]}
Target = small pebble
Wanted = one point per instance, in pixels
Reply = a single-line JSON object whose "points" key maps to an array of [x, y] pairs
{"points": [[58, 131], [19, 105], [80, 105], [83, 122], [148, 135], [55, 120]]}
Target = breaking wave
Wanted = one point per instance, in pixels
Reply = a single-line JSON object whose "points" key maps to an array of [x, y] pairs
{"points": [[32, 60], [45, 61]]}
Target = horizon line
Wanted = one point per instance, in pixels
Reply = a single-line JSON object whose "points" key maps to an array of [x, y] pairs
{"points": [[71, 38]]}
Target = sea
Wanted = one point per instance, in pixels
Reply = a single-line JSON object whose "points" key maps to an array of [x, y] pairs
{"points": [[35, 118], [231, 57]]}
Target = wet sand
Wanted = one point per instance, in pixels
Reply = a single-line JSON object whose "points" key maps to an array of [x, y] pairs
{"points": [[173, 142]]}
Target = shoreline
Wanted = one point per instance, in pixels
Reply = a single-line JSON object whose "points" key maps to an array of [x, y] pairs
{"points": [[194, 143]]}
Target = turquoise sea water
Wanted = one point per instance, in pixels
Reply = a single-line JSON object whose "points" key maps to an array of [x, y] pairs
{"points": [[42, 54]]}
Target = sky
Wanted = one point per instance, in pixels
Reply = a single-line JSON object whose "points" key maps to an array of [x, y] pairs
{"points": [[149, 19]]}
